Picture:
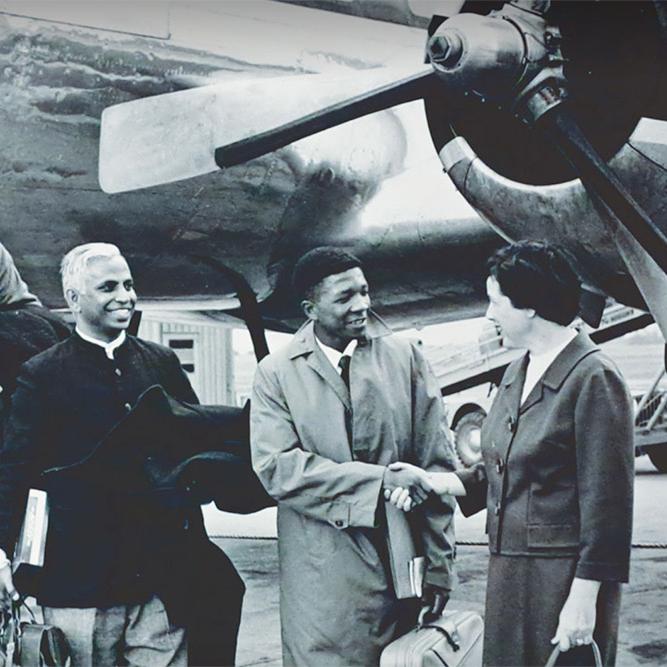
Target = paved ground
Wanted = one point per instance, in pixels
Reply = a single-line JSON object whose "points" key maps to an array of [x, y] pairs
{"points": [[643, 638]]}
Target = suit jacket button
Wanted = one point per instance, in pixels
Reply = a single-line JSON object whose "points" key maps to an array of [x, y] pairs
{"points": [[118, 372], [500, 466], [497, 509], [127, 406], [338, 523]]}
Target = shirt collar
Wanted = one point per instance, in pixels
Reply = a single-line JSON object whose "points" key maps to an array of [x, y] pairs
{"points": [[539, 363], [545, 358], [333, 355], [110, 347]]}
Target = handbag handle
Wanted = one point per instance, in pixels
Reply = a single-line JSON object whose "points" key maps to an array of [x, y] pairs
{"points": [[551, 662]]}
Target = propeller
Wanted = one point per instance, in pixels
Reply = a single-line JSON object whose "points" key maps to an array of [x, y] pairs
{"points": [[407, 89], [171, 137], [517, 63], [511, 62]]}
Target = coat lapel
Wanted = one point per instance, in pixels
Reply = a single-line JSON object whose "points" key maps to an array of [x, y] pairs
{"points": [[578, 348], [304, 345], [321, 365], [513, 386], [502, 426], [534, 397]]}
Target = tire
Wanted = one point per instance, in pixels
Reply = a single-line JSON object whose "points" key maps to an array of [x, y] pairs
{"points": [[658, 456], [467, 437]]}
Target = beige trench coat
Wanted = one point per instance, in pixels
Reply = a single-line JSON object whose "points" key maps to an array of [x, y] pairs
{"points": [[337, 602]]}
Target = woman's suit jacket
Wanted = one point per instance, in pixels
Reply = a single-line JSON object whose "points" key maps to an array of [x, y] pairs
{"points": [[558, 470]]}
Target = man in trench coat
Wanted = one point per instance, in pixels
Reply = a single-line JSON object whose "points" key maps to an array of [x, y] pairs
{"points": [[322, 449]]}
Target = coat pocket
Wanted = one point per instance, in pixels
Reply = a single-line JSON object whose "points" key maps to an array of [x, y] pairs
{"points": [[320, 538], [552, 517], [546, 537]]}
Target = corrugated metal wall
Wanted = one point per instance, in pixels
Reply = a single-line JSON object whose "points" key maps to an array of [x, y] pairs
{"points": [[211, 355]]}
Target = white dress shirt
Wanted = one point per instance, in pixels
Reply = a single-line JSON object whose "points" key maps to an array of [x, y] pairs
{"points": [[538, 364], [333, 355]]}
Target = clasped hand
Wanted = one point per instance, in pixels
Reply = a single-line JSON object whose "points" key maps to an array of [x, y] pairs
{"points": [[7, 591], [576, 621], [406, 486]]}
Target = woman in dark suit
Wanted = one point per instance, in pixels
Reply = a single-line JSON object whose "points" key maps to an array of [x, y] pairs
{"points": [[557, 472]]}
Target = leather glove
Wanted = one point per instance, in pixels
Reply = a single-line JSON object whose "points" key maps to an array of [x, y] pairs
{"points": [[433, 602]]}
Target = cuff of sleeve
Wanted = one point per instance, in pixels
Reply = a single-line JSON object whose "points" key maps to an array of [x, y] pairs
{"points": [[364, 514], [442, 578], [475, 499], [601, 571]]}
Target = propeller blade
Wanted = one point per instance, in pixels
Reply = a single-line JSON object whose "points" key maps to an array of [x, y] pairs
{"points": [[167, 138], [406, 90], [596, 176]]}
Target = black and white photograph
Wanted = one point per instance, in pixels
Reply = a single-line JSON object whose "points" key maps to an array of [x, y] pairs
{"points": [[333, 333]]}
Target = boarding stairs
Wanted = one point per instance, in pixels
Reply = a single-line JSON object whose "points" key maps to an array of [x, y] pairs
{"points": [[486, 359]]}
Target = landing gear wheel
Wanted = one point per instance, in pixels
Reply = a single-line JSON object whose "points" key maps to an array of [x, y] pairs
{"points": [[467, 438], [658, 456]]}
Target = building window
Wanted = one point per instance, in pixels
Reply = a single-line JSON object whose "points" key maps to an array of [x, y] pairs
{"points": [[184, 347], [181, 344]]}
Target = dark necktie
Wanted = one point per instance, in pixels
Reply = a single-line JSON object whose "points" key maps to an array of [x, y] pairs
{"points": [[344, 365]]}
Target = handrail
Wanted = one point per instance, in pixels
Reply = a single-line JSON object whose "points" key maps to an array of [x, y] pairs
{"points": [[658, 413], [488, 347], [647, 395]]}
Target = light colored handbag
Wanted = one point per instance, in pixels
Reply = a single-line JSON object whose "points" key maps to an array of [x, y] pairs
{"points": [[452, 640]]}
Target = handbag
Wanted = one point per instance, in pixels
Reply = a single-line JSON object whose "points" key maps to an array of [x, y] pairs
{"points": [[452, 640], [29, 643], [551, 662]]}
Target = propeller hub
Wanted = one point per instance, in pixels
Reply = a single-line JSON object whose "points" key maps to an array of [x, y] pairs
{"points": [[607, 57], [445, 50], [511, 57], [477, 54]]}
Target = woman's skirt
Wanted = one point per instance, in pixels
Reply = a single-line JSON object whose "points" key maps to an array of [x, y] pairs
{"points": [[524, 597]]}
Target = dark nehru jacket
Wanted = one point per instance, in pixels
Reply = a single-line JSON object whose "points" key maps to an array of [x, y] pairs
{"points": [[67, 399]]}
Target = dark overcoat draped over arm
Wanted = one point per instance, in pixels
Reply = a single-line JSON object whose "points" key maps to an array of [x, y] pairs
{"points": [[129, 526]]}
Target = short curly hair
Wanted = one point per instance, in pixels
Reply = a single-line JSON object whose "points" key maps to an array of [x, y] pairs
{"points": [[539, 276], [316, 265]]}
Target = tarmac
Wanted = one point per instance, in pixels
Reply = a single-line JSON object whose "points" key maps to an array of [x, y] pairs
{"points": [[643, 633]]}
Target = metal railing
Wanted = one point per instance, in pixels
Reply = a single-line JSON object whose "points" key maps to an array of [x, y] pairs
{"points": [[651, 414], [487, 351]]}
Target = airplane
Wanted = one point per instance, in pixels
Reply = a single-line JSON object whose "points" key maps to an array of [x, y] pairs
{"points": [[519, 82], [58, 76], [224, 241]]}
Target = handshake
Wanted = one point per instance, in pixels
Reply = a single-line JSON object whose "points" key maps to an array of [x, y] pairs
{"points": [[406, 486]]}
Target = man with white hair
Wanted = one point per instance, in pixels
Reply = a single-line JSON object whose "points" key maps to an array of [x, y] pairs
{"points": [[101, 583]]}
